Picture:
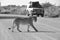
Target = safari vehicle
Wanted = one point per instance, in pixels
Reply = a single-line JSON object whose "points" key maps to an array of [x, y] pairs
{"points": [[37, 9]]}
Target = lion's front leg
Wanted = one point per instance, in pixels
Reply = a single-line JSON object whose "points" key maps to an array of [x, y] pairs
{"points": [[28, 28]]}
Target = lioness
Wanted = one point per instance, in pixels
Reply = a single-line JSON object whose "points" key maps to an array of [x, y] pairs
{"points": [[25, 21]]}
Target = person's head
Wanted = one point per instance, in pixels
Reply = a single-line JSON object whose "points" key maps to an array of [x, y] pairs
{"points": [[30, 2]]}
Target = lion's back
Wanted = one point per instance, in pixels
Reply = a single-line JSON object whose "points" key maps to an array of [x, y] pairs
{"points": [[23, 21]]}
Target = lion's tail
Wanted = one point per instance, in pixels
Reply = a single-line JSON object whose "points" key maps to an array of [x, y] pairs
{"points": [[9, 28]]}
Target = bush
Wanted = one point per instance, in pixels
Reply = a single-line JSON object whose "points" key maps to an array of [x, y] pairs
{"points": [[46, 5], [52, 11]]}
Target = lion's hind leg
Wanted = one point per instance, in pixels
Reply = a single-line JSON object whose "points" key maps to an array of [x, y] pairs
{"points": [[28, 28], [13, 27], [18, 27]]}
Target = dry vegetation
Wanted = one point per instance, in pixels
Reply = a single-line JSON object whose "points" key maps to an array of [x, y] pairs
{"points": [[50, 10], [12, 9]]}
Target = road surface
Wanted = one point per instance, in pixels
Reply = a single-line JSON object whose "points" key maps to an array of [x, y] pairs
{"points": [[49, 29]]}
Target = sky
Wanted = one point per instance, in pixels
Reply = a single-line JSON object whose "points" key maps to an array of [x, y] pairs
{"points": [[25, 2]]}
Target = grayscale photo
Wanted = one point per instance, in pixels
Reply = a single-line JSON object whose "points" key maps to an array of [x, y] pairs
{"points": [[29, 19]]}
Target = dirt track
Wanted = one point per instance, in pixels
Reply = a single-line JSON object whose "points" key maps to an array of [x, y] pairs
{"points": [[49, 29]]}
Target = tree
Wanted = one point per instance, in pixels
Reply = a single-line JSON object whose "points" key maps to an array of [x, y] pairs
{"points": [[46, 5]]}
